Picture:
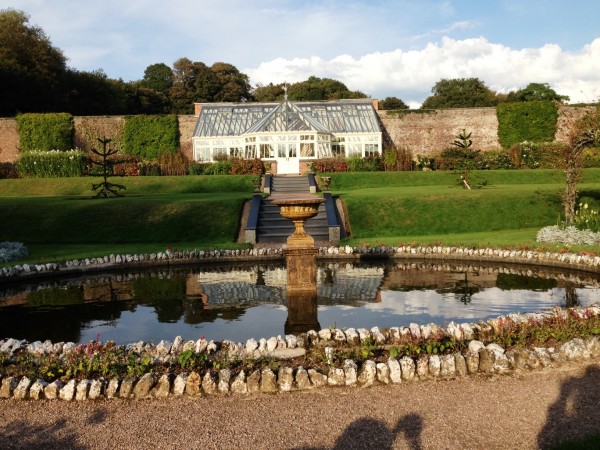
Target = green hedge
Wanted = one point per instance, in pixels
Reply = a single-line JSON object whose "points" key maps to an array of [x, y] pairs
{"points": [[150, 137], [52, 164], [526, 121], [45, 132]]}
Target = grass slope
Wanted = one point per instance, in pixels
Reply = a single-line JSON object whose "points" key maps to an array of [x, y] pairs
{"points": [[57, 218]]}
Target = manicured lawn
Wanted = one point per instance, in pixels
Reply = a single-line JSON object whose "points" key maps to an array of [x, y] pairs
{"points": [[427, 207], [57, 219]]}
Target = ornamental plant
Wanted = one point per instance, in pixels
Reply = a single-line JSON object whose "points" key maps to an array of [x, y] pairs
{"points": [[587, 218], [51, 164]]}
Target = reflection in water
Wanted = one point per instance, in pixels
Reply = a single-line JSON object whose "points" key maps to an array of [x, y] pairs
{"points": [[243, 301]]}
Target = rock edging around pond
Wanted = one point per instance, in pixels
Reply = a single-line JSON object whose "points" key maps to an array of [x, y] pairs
{"points": [[582, 261], [281, 372]]}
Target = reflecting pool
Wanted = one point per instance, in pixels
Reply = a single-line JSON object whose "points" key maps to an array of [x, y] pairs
{"points": [[237, 302]]}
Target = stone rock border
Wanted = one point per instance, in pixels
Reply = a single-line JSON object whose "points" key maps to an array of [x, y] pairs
{"points": [[582, 261], [478, 358]]}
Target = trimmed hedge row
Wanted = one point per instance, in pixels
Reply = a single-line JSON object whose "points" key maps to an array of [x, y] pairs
{"points": [[150, 137], [526, 121], [45, 132]]}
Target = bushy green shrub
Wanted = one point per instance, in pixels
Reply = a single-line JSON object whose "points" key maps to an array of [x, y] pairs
{"points": [[526, 121], [51, 164], [590, 157], [45, 132], [423, 162], [219, 168], [587, 218], [531, 155], [196, 168], [149, 169], [329, 165], [366, 164], [150, 137], [494, 160]]}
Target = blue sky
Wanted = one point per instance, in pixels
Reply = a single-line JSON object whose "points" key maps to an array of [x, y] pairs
{"points": [[382, 47]]}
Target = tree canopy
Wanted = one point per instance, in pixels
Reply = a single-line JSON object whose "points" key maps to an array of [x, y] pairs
{"points": [[460, 93], [536, 92], [392, 103]]}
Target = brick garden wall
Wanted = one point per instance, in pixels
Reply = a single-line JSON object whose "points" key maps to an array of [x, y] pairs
{"points": [[430, 132], [420, 132], [9, 140]]}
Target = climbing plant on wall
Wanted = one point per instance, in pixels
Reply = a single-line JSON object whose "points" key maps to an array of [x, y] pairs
{"points": [[45, 132], [526, 121], [149, 137]]}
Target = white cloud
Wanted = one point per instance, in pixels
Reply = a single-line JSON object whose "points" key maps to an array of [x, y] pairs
{"points": [[410, 75]]}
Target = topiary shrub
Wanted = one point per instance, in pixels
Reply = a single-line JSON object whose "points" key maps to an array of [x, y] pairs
{"points": [[150, 137], [526, 121], [45, 132]]}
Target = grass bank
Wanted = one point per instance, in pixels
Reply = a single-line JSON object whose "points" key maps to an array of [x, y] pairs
{"points": [[58, 219], [505, 208]]}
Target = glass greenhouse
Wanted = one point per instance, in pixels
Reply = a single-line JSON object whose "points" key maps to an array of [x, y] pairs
{"points": [[286, 134]]}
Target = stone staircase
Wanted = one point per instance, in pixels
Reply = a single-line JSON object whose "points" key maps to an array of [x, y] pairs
{"points": [[274, 228]]}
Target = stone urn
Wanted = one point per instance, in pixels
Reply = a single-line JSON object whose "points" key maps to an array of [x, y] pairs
{"points": [[299, 211]]}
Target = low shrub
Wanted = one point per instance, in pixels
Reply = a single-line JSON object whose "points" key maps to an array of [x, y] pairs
{"points": [[590, 157], [12, 250], [149, 169], [567, 235], [172, 164], [51, 164], [328, 165], [587, 218], [247, 167], [197, 168], [423, 162], [8, 170], [366, 164], [219, 168], [532, 155]]}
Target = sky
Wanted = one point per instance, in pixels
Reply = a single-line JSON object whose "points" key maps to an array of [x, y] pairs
{"points": [[383, 48]]}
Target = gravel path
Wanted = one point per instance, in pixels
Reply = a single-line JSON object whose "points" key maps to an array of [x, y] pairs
{"points": [[525, 411]]}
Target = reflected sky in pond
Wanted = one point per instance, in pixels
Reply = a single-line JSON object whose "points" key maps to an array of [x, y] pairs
{"points": [[244, 301]]}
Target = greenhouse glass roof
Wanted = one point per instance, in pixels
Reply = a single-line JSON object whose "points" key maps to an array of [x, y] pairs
{"points": [[236, 119]]}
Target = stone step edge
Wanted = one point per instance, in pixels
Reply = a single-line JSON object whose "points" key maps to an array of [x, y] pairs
{"points": [[487, 360]]}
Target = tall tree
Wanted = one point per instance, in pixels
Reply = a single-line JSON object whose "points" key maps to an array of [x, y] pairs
{"points": [[321, 89], [181, 93], [460, 93], [31, 69], [391, 103], [269, 93], [234, 85], [158, 77], [536, 92]]}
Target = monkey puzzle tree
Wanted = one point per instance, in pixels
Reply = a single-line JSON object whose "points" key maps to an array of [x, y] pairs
{"points": [[105, 188]]}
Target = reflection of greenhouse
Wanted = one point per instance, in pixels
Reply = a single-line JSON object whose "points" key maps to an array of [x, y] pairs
{"points": [[334, 285], [286, 134]]}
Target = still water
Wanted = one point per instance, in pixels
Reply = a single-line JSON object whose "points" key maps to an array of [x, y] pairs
{"points": [[250, 301]]}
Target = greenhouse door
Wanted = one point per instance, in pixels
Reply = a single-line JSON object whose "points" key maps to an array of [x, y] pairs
{"points": [[288, 162]]}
